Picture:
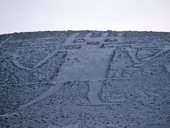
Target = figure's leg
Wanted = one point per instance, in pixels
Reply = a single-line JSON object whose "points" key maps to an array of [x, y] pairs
{"points": [[93, 95]]}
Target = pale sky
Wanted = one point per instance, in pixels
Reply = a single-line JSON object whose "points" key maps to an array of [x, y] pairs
{"points": [[43, 15]]}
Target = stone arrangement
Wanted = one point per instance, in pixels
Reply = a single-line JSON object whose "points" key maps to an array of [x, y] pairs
{"points": [[85, 79]]}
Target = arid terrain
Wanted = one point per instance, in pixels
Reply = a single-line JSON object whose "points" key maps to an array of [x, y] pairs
{"points": [[85, 79]]}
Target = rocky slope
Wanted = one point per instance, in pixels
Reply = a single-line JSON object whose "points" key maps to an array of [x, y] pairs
{"points": [[85, 79]]}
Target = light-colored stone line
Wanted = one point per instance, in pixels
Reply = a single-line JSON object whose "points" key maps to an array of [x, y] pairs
{"points": [[47, 93], [70, 39], [143, 61], [133, 55], [164, 50], [93, 95], [99, 39], [45, 59], [16, 62], [3, 42]]}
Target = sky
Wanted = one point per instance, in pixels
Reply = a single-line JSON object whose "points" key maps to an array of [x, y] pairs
{"points": [[119, 15]]}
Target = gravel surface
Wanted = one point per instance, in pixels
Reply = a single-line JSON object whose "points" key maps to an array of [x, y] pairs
{"points": [[85, 79]]}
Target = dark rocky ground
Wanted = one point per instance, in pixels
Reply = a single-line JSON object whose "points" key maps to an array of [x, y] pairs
{"points": [[85, 79]]}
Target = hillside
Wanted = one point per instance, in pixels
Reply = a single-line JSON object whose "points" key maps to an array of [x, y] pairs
{"points": [[85, 79]]}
